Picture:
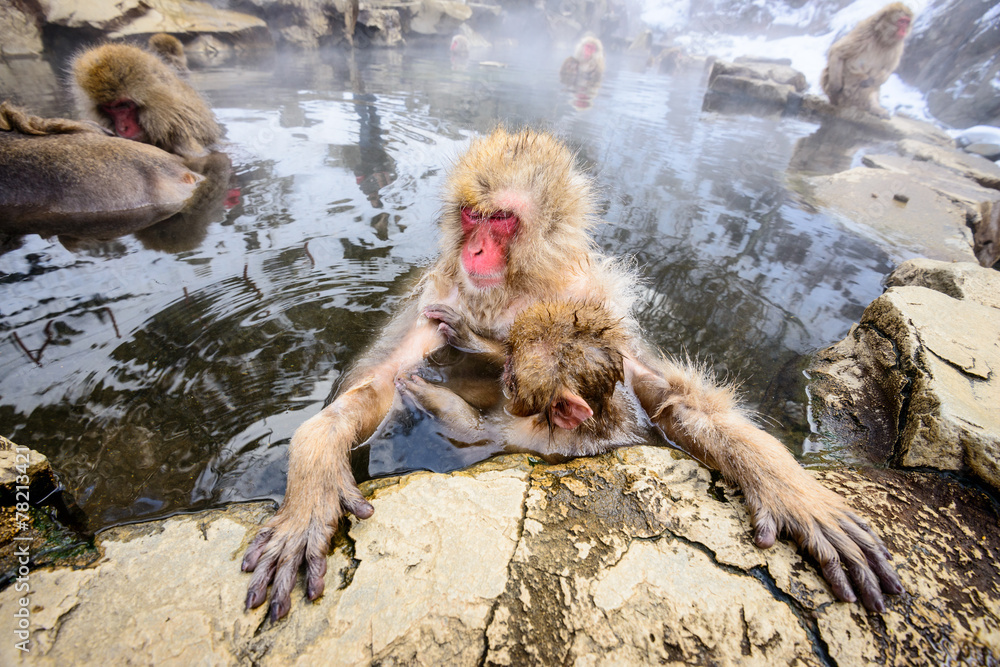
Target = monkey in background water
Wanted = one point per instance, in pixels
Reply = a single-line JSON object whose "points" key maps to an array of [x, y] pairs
{"points": [[138, 96], [860, 62], [515, 232], [170, 50]]}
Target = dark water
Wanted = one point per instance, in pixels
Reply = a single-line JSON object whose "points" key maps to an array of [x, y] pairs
{"points": [[168, 374]]}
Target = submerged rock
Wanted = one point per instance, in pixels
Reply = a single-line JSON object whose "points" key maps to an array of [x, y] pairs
{"points": [[915, 382], [632, 557]]}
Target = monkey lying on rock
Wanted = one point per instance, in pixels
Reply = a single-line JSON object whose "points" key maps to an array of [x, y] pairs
{"points": [[515, 232]]}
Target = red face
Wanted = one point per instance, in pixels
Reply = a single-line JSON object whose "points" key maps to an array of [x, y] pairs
{"points": [[124, 114], [589, 49], [484, 252], [902, 26]]}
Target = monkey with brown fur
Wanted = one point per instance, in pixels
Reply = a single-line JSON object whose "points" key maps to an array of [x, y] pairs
{"points": [[586, 65], [60, 176], [170, 50], [516, 231], [138, 96], [563, 375], [860, 62]]}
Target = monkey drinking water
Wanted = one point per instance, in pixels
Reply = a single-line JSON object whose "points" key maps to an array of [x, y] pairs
{"points": [[515, 232]]}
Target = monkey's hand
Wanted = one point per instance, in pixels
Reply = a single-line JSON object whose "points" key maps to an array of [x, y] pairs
{"points": [[320, 491], [457, 332], [452, 326], [438, 401], [819, 520]]}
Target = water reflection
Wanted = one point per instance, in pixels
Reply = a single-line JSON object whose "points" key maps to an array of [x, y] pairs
{"points": [[163, 377]]}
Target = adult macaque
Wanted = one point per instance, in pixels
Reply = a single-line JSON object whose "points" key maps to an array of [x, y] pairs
{"points": [[515, 230], [170, 50], [459, 47], [138, 96], [860, 62], [586, 65], [563, 369], [61, 176]]}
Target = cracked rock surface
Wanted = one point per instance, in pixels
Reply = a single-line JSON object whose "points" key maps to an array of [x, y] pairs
{"points": [[629, 558], [917, 382]]}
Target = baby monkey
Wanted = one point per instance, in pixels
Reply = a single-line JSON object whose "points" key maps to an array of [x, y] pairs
{"points": [[563, 377]]}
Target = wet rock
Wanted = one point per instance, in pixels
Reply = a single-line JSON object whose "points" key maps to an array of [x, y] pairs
{"points": [[951, 207], [434, 17], [39, 523], [955, 185], [381, 27], [915, 382], [142, 17], [754, 85], [930, 223], [304, 24], [633, 557], [988, 151], [21, 30]]}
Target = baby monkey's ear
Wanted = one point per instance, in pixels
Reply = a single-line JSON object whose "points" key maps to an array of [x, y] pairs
{"points": [[568, 410]]}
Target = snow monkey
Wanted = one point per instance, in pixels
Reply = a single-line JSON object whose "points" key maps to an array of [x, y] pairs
{"points": [[861, 61], [563, 373], [138, 96], [170, 50], [515, 231], [586, 65]]}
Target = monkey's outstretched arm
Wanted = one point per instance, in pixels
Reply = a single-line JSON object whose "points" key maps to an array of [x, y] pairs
{"points": [[782, 497], [321, 487]]}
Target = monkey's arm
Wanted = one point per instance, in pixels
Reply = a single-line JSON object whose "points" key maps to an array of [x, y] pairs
{"points": [[321, 486], [458, 333], [834, 74], [446, 405], [782, 497]]}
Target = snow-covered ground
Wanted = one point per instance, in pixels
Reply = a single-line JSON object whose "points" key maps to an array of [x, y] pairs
{"points": [[807, 52]]}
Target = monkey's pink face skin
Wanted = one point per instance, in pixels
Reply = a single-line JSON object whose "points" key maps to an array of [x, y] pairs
{"points": [[589, 50], [902, 26], [124, 114], [484, 253]]}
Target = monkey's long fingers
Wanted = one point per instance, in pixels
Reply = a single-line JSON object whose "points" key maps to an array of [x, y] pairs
{"points": [[856, 562], [863, 525], [284, 582], [264, 572], [876, 554], [352, 501], [829, 562], [316, 566], [765, 529], [255, 549], [441, 313]]}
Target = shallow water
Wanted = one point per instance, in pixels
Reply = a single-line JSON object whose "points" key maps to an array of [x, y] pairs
{"points": [[166, 371]]}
